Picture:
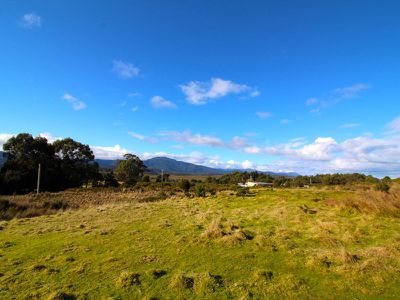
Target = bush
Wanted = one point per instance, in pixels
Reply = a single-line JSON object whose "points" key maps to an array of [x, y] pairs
{"points": [[242, 191], [145, 178], [110, 181], [200, 190], [382, 186], [185, 185]]}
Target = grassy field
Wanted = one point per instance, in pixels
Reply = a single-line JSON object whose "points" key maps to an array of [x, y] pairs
{"points": [[280, 244]]}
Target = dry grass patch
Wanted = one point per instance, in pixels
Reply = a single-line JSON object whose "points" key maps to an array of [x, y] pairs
{"points": [[127, 279], [375, 202], [181, 282]]}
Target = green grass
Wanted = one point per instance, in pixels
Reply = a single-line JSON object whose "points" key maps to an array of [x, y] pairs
{"points": [[277, 244]]}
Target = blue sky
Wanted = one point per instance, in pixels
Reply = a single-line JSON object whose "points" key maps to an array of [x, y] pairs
{"points": [[306, 86]]}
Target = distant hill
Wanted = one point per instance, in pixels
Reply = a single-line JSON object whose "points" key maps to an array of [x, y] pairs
{"points": [[172, 166]]}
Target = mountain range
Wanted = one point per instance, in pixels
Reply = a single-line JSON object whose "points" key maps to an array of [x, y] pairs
{"points": [[171, 166]]}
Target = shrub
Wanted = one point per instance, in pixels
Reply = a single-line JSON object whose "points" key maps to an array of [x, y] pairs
{"points": [[382, 186], [242, 191], [145, 178], [185, 185], [110, 181], [200, 190]]}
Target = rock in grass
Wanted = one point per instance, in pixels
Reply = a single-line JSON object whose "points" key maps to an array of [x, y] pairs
{"points": [[127, 279]]}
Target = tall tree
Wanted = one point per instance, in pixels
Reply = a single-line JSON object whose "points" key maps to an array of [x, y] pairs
{"points": [[130, 169], [76, 162], [19, 173]]}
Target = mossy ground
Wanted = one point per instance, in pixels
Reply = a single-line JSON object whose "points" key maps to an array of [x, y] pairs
{"points": [[276, 244]]}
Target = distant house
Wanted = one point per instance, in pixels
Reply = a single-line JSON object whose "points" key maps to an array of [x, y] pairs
{"points": [[254, 183]]}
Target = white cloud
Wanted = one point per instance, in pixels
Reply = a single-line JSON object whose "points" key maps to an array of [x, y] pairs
{"points": [[321, 149], [30, 21], [75, 102], [394, 125], [195, 139], [247, 164], [349, 125], [125, 69], [253, 150], [4, 137], [49, 137], [142, 137], [263, 114], [199, 93], [114, 152], [135, 109], [160, 102]]}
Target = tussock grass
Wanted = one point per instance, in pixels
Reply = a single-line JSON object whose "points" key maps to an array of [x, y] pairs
{"points": [[376, 202], [222, 247], [127, 279], [181, 282]]}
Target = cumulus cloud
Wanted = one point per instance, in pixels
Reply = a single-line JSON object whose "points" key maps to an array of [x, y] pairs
{"points": [[125, 69], [30, 21], [160, 102], [321, 149], [4, 137], [326, 155], [253, 150], [75, 102], [247, 164], [196, 139], [199, 93], [263, 114], [115, 152]]}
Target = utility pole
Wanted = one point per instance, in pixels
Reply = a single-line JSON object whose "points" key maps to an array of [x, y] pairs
{"points": [[162, 179], [38, 180]]}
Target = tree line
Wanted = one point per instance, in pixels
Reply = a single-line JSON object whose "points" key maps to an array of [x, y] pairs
{"points": [[65, 163]]}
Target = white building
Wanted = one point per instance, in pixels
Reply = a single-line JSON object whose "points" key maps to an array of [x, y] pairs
{"points": [[254, 183]]}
